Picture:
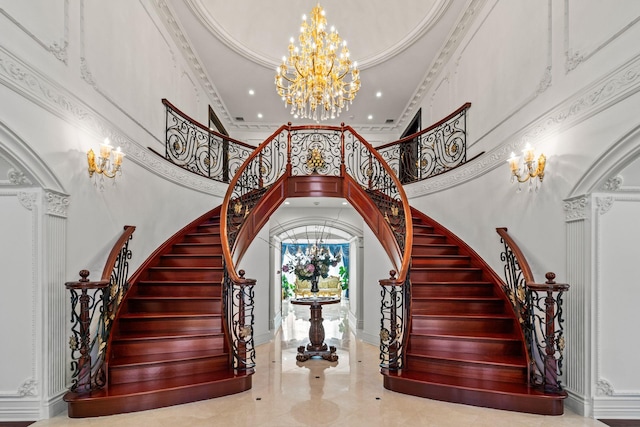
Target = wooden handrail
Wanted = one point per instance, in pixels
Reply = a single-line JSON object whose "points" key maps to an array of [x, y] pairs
{"points": [[403, 257], [522, 261], [115, 251]]}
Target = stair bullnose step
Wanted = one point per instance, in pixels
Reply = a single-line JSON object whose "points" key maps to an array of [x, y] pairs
{"points": [[490, 394], [474, 358], [133, 397]]}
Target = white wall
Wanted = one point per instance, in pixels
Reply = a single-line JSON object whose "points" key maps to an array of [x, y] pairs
{"points": [[70, 75], [560, 77]]}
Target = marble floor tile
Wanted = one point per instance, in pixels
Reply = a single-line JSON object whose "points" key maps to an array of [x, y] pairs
{"points": [[348, 392]]}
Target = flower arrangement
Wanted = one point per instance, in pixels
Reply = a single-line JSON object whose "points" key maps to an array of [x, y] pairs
{"points": [[313, 263]]}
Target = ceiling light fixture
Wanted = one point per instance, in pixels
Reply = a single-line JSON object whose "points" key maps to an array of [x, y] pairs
{"points": [[312, 78]]}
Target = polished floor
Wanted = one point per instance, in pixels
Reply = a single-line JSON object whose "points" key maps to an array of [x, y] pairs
{"points": [[348, 392]]}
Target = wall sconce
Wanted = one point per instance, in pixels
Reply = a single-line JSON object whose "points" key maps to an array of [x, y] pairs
{"points": [[108, 164], [531, 169]]}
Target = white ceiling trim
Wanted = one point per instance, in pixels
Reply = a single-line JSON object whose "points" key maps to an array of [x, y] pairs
{"points": [[209, 22]]}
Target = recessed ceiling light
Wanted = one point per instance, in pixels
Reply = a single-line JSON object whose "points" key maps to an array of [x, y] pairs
{"points": [[251, 92], [378, 94], [287, 203], [370, 117], [259, 115], [344, 203]]}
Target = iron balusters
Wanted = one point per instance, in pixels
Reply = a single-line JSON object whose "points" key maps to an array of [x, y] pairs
{"points": [[238, 298]]}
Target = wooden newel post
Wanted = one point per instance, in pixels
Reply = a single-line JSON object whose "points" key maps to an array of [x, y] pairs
{"points": [[393, 327], [242, 333], [83, 383], [551, 383]]}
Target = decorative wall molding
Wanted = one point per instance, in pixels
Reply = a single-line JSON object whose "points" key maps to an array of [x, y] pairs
{"points": [[613, 183], [573, 57], [57, 49], [28, 388], [31, 84], [576, 209], [604, 388], [17, 177], [56, 204], [601, 94], [26, 199], [604, 204]]}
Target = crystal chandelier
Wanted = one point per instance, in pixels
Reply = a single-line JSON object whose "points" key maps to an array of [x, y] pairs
{"points": [[312, 78]]}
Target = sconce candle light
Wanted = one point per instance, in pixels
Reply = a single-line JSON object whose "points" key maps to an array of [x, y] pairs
{"points": [[109, 162], [531, 169]]}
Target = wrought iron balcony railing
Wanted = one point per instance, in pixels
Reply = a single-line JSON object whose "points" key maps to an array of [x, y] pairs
{"points": [[432, 151]]}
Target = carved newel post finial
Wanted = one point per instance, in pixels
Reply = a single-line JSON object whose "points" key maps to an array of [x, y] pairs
{"points": [[84, 274], [241, 274], [392, 274], [550, 278]]}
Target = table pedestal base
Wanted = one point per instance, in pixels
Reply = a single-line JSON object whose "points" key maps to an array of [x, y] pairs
{"points": [[305, 354], [317, 346]]}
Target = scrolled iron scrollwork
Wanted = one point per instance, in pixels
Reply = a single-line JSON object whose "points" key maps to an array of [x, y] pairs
{"points": [[238, 302], [394, 310], [540, 314]]}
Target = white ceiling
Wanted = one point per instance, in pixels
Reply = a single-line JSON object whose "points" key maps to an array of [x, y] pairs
{"points": [[240, 43]]}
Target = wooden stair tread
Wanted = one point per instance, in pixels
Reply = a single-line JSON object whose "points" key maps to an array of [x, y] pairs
{"points": [[156, 385], [458, 299], [164, 315], [452, 283], [149, 359], [179, 282], [165, 335], [488, 386], [173, 298], [464, 316], [477, 358], [478, 336]]}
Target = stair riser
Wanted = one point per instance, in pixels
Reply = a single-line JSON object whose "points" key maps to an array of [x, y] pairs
{"points": [[446, 275], [181, 325], [212, 239], [195, 306], [197, 249], [209, 228], [427, 239], [467, 370], [426, 261], [423, 344], [449, 326], [185, 274], [457, 307], [131, 374], [169, 345], [179, 290], [450, 290], [422, 229], [434, 250], [191, 260]]}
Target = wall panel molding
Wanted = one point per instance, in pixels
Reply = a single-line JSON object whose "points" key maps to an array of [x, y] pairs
{"points": [[34, 86], [593, 99], [58, 44]]}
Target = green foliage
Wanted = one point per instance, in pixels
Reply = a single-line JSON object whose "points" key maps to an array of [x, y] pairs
{"points": [[344, 277], [287, 288]]}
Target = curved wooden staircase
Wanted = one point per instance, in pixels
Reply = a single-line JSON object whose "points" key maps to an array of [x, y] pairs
{"points": [[168, 343], [464, 342]]}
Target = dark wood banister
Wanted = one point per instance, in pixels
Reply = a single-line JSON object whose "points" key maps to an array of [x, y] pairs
{"points": [[522, 260], [115, 251], [227, 250], [425, 130], [203, 127]]}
